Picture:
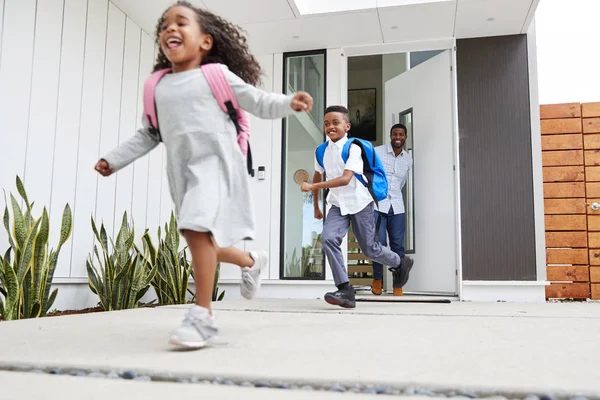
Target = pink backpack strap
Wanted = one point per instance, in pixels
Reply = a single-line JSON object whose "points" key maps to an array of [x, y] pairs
{"points": [[224, 93], [219, 86], [149, 105]]}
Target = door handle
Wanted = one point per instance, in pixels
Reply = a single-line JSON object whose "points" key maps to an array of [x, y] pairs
{"points": [[595, 206]]}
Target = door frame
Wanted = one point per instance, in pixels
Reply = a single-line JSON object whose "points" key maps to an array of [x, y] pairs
{"points": [[404, 47]]}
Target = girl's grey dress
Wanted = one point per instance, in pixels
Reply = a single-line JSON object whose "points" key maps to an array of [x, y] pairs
{"points": [[207, 174]]}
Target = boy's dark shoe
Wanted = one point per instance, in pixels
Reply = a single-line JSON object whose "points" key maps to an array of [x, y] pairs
{"points": [[343, 298], [401, 273]]}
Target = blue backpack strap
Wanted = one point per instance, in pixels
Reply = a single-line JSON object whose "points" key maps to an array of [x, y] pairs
{"points": [[346, 155], [320, 153]]}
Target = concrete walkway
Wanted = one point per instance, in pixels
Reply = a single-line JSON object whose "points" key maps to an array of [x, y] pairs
{"points": [[522, 348]]}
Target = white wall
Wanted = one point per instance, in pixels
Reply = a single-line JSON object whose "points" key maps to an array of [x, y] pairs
{"points": [[70, 81]]}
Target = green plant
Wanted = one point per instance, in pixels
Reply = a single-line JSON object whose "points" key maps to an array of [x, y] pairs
{"points": [[173, 268], [123, 277], [299, 266], [27, 268], [216, 296]]}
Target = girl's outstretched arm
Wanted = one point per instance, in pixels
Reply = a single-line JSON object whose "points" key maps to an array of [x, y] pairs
{"points": [[130, 150], [264, 104]]}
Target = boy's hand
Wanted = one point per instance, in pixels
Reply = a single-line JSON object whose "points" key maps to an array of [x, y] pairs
{"points": [[306, 187], [302, 102], [318, 213], [103, 168]]}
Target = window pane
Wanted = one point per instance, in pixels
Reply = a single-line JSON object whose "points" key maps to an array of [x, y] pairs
{"points": [[301, 250]]}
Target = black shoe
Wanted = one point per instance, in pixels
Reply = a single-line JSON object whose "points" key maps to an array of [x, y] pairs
{"points": [[401, 273], [343, 298]]}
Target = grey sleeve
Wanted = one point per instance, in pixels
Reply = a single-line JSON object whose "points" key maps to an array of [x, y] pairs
{"points": [[140, 144], [258, 102]]}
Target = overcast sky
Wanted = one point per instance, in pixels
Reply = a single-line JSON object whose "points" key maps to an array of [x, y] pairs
{"points": [[568, 47]]}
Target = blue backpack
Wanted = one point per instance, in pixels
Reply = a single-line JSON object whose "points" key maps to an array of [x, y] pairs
{"points": [[373, 170]]}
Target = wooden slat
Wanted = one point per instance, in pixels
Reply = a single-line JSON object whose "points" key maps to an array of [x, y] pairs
{"points": [[593, 239], [361, 281], [565, 110], [560, 158], [559, 126], [594, 256], [562, 142], [353, 245], [591, 125], [567, 256], [592, 157], [563, 190], [591, 142], [595, 274], [589, 110], [592, 189], [593, 223], [568, 291], [566, 222], [353, 269], [572, 274], [592, 174], [567, 239], [595, 291], [563, 174], [356, 256], [588, 204], [564, 206]]}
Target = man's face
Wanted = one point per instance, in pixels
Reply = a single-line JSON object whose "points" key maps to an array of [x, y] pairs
{"points": [[398, 138], [336, 125]]}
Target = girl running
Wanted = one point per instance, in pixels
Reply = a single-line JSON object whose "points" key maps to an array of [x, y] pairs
{"points": [[208, 179]]}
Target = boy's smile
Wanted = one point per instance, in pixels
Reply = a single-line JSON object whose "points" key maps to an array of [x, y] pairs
{"points": [[336, 125]]}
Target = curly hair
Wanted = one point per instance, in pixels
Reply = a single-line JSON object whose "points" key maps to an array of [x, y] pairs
{"points": [[230, 46]]}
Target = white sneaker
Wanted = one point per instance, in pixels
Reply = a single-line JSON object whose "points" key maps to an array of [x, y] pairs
{"points": [[251, 276], [196, 330]]}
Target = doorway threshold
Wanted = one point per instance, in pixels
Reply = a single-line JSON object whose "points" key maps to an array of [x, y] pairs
{"points": [[406, 298]]}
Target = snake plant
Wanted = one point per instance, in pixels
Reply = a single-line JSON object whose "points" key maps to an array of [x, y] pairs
{"points": [[27, 267], [122, 277], [173, 268]]}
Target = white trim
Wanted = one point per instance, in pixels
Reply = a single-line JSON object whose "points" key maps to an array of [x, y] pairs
{"points": [[398, 47], [276, 161], [536, 157], [504, 291], [457, 197], [530, 16], [69, 281]]}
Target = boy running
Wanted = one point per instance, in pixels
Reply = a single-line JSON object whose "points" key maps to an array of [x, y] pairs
{"points": [[350, 200]]}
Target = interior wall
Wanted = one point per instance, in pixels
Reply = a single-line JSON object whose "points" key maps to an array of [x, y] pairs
{"points": [[366, 73]]}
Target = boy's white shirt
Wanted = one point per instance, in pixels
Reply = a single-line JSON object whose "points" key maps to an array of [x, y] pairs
{"points": [[354, 197]]}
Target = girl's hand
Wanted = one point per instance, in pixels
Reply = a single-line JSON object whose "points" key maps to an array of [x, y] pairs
{"points": [[302, 102], [306, 187], [103, 168]]}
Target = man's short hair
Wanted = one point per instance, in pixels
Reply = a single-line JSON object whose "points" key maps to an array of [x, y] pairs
{"points": [[398, 126], [338, 109]]}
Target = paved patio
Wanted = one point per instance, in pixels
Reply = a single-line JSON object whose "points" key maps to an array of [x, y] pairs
{"points": [[497, 347]]}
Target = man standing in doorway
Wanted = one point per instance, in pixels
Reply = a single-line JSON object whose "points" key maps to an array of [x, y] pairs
{"points": [[397, 163]]}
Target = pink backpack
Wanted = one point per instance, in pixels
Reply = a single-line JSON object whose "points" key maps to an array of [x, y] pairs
{"points": [[224, 96]]}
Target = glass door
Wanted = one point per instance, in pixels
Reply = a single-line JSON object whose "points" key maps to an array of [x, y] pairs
{"points": [[301, 255]]}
